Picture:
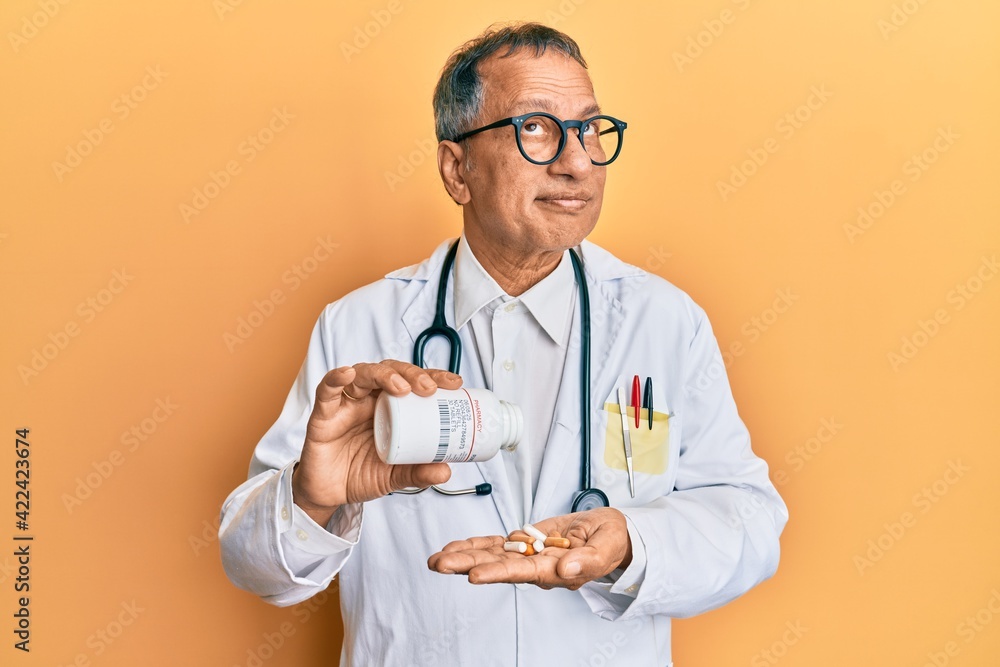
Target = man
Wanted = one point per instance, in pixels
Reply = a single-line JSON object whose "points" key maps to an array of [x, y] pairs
{"points": [[699, 528]]}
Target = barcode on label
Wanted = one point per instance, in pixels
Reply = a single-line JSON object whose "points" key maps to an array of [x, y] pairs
{"points": [[444, 434]]}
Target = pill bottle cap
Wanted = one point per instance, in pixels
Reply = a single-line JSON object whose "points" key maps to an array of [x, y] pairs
{"points": [[513, 425]]}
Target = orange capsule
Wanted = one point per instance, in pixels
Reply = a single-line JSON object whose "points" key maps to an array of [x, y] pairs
{"points": [[559, 542], [530, 551], [520, 537]]}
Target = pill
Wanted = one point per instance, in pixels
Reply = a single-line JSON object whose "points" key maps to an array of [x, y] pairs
{"points": [[539, 545], [519, 547], [530, 551], [534, 532], [560, 542], [520, 537]]}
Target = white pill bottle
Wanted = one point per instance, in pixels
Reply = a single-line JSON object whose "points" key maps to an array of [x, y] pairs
{"points": [[451, 425]]}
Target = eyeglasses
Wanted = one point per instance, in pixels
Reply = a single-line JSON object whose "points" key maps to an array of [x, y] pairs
{"points": [[541, 137]]}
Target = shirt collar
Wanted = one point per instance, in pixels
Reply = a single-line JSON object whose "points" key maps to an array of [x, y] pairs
{"points": [[548, 301]]}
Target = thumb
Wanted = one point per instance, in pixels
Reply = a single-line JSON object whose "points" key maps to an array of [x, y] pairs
{"points": [[422, 475]]}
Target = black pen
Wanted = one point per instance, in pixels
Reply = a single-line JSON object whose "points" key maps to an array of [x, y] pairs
{"points": [[647, 401]]}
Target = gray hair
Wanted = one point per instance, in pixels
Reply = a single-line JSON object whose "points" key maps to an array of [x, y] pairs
{"points": [[458, 95]]}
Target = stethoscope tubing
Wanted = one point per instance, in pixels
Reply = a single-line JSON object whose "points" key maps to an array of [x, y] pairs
{"points": [[588, 497]]}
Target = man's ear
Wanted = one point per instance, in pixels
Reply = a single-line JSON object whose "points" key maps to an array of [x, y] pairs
{"points": [[450, 156]]}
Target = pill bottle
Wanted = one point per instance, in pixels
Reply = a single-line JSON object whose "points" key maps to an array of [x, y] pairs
{"points": [[452, 425]]}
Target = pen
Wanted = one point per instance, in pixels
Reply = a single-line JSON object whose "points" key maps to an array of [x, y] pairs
{"points": [[635, 398], [647, 401], [627, 439]]}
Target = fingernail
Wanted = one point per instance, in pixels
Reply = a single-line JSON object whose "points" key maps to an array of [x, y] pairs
{"points": [[573, 569], [447, 571], [426, 382], [399, 383]]}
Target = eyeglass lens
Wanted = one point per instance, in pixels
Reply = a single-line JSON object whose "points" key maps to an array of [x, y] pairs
{"points": [[540, 138]]}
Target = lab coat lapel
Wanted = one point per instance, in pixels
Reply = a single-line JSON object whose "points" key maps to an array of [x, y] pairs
{"points": [[560, 477], [417, 317]]}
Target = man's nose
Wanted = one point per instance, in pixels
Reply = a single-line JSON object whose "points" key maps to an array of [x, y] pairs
{"points": [[574, 160]]}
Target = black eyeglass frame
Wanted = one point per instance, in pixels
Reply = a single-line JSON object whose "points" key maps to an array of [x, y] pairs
{"points": [[517, 121]]}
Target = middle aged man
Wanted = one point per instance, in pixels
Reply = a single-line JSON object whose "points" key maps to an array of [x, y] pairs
{"points": [[703, 524]]}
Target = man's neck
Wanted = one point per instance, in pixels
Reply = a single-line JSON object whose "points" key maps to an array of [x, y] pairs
{"points": [[514, 271]]}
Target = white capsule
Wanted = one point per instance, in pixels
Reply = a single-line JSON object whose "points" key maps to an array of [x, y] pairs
{"points": [[518, 547], [539, 545], [534, 532]]}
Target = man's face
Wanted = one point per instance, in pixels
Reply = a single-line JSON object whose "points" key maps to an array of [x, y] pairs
{"points": [[516, 204]]}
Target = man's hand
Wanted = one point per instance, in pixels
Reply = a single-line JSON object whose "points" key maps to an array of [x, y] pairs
{"points": [[339, 463], [599, 543]]}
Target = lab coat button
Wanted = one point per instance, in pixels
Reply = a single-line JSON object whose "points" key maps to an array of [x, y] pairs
{"points": [[632, 589], [302, 535], [510, 307], [284, 513], [508, 365]]}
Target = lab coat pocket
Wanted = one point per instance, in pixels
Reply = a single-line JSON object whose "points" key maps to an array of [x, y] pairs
{"points": [[650, 447], [654, 450]]}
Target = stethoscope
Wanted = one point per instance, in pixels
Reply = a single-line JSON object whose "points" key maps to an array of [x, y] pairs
{"points": [[588, 498]]}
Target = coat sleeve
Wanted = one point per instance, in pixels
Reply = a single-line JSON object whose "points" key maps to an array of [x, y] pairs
{"points": [[269, 545], [716, 535]]}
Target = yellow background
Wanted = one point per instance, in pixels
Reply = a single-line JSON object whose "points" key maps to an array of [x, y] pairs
{"points": [[816, 377]]}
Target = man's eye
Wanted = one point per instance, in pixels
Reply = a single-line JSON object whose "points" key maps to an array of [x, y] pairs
{"points": [[532, 127], [591, 128]]}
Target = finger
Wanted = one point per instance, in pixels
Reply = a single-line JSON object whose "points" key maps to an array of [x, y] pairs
{"points": [[419, 475], [380, 376], [329, 392], [461, 562], [491, 542], [424, 381], [603, 550], [517, 569]]}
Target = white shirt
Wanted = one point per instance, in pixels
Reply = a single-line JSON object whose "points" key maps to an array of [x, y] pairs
{"points": [[521, 345]]}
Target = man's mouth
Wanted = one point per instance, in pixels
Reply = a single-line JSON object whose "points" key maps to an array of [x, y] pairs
{"points": [[565, 200]]}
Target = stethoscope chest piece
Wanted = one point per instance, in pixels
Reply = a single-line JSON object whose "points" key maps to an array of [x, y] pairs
{"points": [[590, 499]]}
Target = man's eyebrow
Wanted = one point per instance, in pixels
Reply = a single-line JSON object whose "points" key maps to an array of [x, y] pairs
{"points": [[541, 104]]}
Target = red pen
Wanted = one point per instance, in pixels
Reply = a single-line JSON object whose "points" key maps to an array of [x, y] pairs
{"points": [[636, 399]]}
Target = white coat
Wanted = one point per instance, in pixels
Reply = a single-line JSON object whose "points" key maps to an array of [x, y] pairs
{"points": [[708, 524]]}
